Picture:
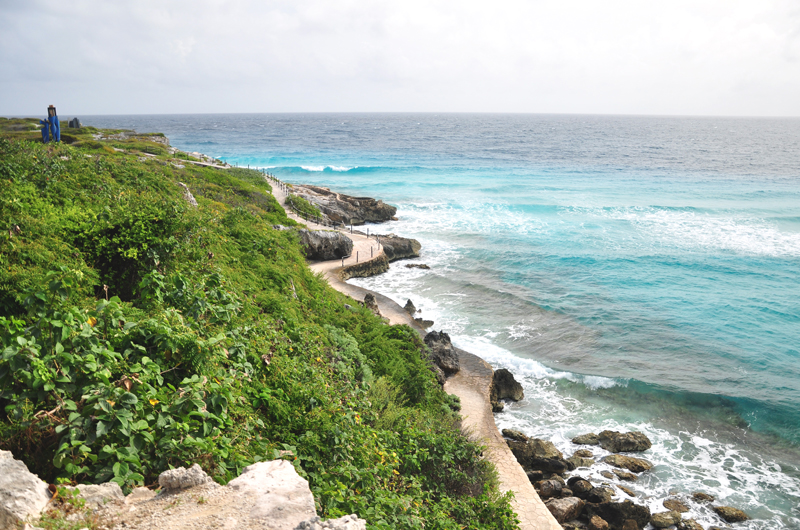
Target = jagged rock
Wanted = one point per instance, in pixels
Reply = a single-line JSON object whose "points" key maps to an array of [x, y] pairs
{"points": [[417, 266], [600, 494], [730, 514], [182, 478], [409, 307], [665, 519], [345, 209], [504, 386], [187, 195], [578, 461], [618, 514], [424, 323], [22, 494], [396, 247], [443, 354], [323, 245], [699, 496], [583, 453], [629, 492], [675, 505], [536, 454], [689, 524], [608, 474], [535, 476], [596, 523], [372, 304], [565, 509], [637, 465], [624, 475], [586, 439], [515, 435], [348, 522], [623, 442], [548, 488], [497, 406], [75, 123], [283, 497], [99, 494], [440, 377]]}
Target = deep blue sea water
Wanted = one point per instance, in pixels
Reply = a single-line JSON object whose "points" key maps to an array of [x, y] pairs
{"points": [[634, 272]]}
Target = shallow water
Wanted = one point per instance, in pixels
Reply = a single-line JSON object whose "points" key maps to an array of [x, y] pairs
{"points": [[634, 272]]}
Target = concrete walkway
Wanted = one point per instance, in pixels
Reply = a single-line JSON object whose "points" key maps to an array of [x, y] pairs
{"points": [[471, 384]]}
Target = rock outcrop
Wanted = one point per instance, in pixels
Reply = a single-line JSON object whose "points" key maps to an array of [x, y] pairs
{"points": [[730, 515], [22, 494], [620, 515], [624, 442], [99, 494], [365, 269], [345, 209], [504, 386], [396, 247], [182, 478], [586, 439], [409, 307], [665, 519], [565, 509], [323, 245], [538, 455], [637, 465], [442, 352]]}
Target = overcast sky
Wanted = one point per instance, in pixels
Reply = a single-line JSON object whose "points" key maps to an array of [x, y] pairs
{"points": [[697, 57]]}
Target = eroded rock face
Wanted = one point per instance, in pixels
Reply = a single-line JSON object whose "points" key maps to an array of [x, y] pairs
{"points": [[596, 523], [372, 304], [538, 455], [689, 524], [623, 442], [324, 245], [548, 488], [22, 494], [182, 478], [99, 494], [409, 307], [699, 496], [637, 465], [586, 439], [515, 435], [620, 514], [730, 514], [396, 247], [284, 498], [675, 505], [345, 209], [665, 519], [504, 386], [565, 509], [442, 352]]}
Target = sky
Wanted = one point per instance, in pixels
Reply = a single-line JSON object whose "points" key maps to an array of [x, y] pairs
{"points": [[681, 57]]}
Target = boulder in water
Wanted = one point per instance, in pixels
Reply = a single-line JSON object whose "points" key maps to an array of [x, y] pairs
{"points": [[623, 442]]}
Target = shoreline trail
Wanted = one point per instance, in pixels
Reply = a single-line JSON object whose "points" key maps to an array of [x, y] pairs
{"points": [[471, 384]]}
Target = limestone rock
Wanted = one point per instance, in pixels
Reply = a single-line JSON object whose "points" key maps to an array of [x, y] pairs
{"points": [[323, 245], [424, 323], [620, 442], [675, 505], [617, 514], [629, 492], [283, 497], [578, 461], [637, 465], [348, 522], [600, 494], [536, 454], [515, 435], [396, 247], [372, 304], [187, 195], [410, 308], [665, 519], [583, 453], [565, 509], [596, 523], [586, 439], [182, 478], [689, 524], [100, 494], [580, 487], [346, 209], [22, 494], [443, 354], [504, 386], [624, 475], [417, 266], [548, 488], [730, 515], [139, 495], [699, 496]]}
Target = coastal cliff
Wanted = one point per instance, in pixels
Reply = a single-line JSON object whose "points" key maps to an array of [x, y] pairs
{"points": [[344, 209]]}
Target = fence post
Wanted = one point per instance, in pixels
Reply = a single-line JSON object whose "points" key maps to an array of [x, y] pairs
{"points": [[356, 256]]}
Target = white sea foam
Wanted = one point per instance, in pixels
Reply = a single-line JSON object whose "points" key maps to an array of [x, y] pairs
{"points": [[313, 168], [332, 168]]}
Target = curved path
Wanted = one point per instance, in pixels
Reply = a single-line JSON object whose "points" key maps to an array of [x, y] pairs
{"points": [[471, 384]]}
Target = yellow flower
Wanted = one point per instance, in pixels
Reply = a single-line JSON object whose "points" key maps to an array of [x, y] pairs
{"points": [[110, 402], [395, 472], [154, 401], [92, 321]]}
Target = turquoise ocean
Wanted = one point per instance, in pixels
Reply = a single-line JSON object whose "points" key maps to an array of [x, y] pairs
{"points": [[634, 273]]}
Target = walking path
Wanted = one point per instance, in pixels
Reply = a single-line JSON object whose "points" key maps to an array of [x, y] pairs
{"points": [[471, 384]]}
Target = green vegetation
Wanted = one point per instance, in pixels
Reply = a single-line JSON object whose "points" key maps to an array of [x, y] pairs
{"points": [[139, 333], [302, 206]]}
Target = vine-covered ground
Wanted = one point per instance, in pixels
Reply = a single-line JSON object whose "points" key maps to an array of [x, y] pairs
{"points": [[141, 333]]}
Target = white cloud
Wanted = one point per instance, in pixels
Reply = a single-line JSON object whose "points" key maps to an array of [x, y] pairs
{"points": [[681, 57]]}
